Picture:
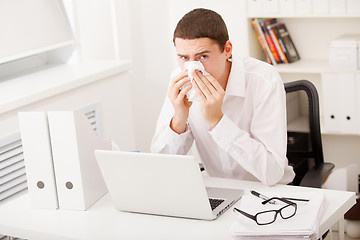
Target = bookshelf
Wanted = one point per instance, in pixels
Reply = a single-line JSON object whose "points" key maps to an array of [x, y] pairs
{"points": [[309, 66], [315, 66], [311, 34]]}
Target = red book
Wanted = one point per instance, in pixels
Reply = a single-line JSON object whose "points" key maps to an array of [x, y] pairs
{"points": [[268, 38], [278, 43]]}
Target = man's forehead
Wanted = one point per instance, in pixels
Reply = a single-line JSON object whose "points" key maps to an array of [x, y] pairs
{"points": [[195, 46], [203, 40]]}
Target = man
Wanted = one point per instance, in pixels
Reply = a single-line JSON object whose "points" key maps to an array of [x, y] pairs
{"points": [[239, 120]]}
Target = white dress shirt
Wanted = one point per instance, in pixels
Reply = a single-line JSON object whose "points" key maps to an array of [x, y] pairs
{"points": [[250, 140]]}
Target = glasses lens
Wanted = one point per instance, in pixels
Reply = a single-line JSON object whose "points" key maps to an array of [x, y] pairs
{"points": [[266, 217], [288, 211]]}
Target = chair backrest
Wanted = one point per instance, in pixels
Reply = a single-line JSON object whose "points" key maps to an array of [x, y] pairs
{"points": [[314, 117], [315, 151]]}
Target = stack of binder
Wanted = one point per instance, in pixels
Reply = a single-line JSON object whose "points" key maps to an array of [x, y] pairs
{"points": [[60, 164], [304, 225]]}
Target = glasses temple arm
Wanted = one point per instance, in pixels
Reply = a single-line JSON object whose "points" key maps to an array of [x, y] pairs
{"points": [[246, 214]]}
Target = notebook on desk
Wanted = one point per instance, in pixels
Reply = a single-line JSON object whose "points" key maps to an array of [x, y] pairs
{"points": [[162, 184]]}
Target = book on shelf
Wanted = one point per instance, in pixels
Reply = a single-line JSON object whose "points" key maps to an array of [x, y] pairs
{"points": [[260, 35], [275, 36], [275, 41], [264, 23], [292, 53]]}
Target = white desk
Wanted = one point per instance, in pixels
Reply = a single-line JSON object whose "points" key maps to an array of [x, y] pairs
{"points": [[103, 221]]}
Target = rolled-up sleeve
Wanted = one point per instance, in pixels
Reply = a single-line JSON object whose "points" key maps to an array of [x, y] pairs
{"points": [[165, 140]]}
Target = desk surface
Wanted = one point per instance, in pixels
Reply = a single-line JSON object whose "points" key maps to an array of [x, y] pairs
{"points": [[103, 221]]}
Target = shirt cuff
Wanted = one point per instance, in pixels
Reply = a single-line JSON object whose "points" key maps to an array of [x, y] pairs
{"points": [[225, 132], [175, 139]]}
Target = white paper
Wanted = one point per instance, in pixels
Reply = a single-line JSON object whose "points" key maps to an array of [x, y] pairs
{"points": [[304, 223], [191, 67]]}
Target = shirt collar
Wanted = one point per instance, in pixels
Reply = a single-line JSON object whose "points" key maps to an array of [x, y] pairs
{"points": [[236, 81]]}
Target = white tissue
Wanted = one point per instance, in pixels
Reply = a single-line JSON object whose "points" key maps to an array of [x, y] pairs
{"points": [[191, 67]]}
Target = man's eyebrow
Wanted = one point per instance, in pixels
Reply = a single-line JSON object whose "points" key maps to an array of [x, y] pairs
{"points": [[201, 53], [182, 55], [197, 54]]}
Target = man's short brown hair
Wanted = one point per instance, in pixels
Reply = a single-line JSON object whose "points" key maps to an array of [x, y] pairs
{"points": [[202, 23]]}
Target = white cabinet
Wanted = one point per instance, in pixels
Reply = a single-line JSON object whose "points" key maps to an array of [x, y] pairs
{"points": [[340, 100], [320, 7], [337, 6], [303, 6], [287, 6]]}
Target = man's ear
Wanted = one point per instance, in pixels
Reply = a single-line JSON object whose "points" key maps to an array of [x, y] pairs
{"points": [[228, 49]]}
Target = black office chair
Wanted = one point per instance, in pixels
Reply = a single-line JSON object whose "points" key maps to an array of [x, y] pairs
{"points": [[305, 152]]}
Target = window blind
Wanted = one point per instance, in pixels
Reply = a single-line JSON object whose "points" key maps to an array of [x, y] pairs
{"points": [[29, 27]]}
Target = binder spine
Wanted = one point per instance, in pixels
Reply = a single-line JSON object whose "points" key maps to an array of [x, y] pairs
{"points": [[38, 159], [66, 160]]}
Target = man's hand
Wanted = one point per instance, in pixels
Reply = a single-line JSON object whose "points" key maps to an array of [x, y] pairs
{"points": [[177, 96], [211, 96]]}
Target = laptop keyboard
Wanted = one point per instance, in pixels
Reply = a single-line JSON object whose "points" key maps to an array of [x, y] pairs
{"points": [[215, 202]]}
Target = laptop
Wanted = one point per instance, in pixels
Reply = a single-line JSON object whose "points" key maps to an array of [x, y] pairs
{"points": [[162, 184]]}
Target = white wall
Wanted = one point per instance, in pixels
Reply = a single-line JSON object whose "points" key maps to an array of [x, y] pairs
{"points": [[95, 29], [151, 68]]}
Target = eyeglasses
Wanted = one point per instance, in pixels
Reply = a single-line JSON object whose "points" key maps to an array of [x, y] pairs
{"points": [[267, 217]]}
